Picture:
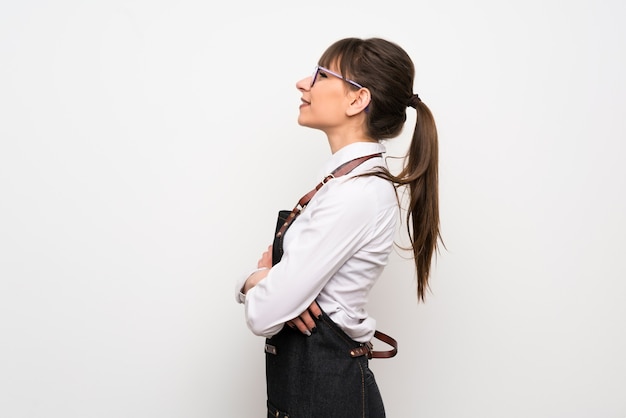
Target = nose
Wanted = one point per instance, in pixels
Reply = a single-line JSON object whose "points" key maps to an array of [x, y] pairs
{"points": [[304, 84]]}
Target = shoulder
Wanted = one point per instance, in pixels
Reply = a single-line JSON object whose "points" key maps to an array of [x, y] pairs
{"points": [[360, 193]]}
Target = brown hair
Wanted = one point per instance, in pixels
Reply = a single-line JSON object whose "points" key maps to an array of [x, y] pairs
{"points": [[387, 71]]}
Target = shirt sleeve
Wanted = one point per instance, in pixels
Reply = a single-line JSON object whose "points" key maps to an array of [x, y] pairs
{"points": [[337, 225]]}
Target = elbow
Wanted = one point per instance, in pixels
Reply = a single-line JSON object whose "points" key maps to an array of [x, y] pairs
{"points": [[262, 325], [262, 328], [255, 326], [262, 319]]}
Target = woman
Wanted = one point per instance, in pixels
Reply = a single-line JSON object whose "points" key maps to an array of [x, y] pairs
{"points": [[328, 256]]}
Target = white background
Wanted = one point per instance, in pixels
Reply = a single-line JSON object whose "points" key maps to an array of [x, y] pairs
{"points": [[147, 145]]}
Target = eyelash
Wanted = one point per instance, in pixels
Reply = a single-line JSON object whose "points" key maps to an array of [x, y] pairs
{"points": [[322, 74]]}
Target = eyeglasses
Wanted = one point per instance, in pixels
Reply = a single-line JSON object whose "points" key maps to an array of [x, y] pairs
{"points": [[326, 70]]}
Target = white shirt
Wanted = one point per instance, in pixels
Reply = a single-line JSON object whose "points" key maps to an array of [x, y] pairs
{"points": [[333, 252]]}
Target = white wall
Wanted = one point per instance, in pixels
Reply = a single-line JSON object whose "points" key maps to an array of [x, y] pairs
{"points": [[147, 145]]}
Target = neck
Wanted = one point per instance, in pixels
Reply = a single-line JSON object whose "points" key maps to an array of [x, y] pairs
{"points": [[339, 139]]}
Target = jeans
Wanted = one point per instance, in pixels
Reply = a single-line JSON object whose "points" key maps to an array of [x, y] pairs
{"points": [[316, 377]]}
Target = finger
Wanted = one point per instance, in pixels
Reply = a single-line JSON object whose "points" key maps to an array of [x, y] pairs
{"points": [[315, 310], [308, 320], [265, 260], [301, 326], [291, 325]]}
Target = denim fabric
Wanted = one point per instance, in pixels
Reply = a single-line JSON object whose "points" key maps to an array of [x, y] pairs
{"points": [[315, 377]]}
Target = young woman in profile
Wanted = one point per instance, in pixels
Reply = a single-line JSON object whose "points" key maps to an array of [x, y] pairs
{"points": [[308, 296]]}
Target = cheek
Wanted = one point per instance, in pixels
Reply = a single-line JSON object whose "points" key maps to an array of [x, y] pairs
{"points": [[325, 110], [328, 108]]}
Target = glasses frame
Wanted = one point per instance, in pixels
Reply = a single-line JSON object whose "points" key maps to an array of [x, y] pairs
{"points": [[319, 68]]}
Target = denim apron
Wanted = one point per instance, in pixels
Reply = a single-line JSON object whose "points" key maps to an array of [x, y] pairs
{"points": [[325, 375], [317, 377]]}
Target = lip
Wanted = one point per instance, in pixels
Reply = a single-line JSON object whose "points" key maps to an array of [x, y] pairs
{"points": [[304, 102]]}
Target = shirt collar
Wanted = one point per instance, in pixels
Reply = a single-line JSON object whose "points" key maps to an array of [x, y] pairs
{"points": [[350, 152]]}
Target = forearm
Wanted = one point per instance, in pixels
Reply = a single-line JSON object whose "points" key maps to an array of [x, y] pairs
{"points": [[254, 278]]}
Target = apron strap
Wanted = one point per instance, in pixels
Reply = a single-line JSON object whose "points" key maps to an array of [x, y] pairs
{"points": [[367, 348], [304, 200]]}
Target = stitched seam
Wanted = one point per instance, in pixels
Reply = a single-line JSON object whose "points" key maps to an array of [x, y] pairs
{"points": [[362, 389]]}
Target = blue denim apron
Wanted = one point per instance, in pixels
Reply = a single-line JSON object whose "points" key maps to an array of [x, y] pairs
{"points": [[325, 375], [318, 377]]}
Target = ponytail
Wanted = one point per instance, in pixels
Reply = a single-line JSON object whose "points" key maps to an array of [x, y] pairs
{"points": [[420, 175]]}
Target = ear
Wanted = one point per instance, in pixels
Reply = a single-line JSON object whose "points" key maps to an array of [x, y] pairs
{"points": [[360, 99]]}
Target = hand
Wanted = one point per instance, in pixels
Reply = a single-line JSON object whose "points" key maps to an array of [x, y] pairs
{"points": [[305, 322], [264, 265], [266, 259]]}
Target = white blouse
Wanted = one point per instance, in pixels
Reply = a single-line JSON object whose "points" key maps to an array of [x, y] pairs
{"points": [[333, 252]]}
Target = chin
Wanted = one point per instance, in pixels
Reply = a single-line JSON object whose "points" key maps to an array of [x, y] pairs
{"points": [[302, 122]]}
